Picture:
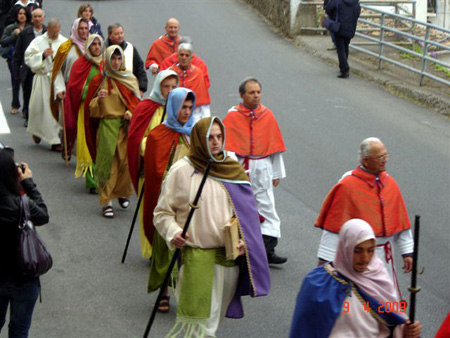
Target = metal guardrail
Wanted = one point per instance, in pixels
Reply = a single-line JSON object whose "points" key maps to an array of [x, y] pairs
{"points": [[422, 40], [404, 28]]}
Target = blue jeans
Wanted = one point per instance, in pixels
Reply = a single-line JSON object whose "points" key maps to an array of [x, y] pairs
{"points": [[21, 298]]}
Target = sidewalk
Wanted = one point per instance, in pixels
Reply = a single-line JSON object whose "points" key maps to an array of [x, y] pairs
{"points": [[394, 79]]}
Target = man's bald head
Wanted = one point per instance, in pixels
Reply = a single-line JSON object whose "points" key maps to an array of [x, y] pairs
{"points": [[37, 18], [172, 28]]}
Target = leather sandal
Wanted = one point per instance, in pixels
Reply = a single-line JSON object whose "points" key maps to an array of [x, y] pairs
{"points": [[164, 305], [108, 211], [124, 202]]}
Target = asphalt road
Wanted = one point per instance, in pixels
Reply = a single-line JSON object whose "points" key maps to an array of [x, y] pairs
{"points": [[88, 293]]}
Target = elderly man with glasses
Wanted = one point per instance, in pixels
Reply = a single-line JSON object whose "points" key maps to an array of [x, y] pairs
{"points": [[369, 193]]}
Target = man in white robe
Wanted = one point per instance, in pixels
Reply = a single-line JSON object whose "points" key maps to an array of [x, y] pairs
{"points": [[39, 57], [254, 136]]}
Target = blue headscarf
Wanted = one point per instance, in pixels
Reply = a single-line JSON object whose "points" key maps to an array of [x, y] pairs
{"points": [[175, 101]]}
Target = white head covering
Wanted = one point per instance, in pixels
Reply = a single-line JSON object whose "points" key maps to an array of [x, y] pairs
{"points": [[155, 94]]}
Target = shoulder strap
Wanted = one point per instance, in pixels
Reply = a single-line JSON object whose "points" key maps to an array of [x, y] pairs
{"points": [[24, 210]]}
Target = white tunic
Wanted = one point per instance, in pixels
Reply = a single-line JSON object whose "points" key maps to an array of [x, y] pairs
{"points": [[178, 190], [262, 172], [64, 73], [41, 121]]}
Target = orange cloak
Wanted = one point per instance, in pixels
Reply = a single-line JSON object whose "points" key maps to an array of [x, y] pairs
{"points": [[252, 133], [160, 49], [379, 202], [194, 79]]}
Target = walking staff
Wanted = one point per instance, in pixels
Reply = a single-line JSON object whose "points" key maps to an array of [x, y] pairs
{"points": [[194, 206]]}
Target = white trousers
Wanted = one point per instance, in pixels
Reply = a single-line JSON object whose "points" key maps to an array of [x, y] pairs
{"points": [[224, 286]]}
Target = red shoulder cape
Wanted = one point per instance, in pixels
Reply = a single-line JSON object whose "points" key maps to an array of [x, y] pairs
{"points": [[142, 116], [160, 143], [194, 79], [360, 195], [91, 124], [74, 90], [196, 61], [160, 49], [252, 135]]}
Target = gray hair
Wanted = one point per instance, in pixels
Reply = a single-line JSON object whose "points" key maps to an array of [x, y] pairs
{"points": [[38, 9], [245, 81], [186, 46], [113, 26], [366, 146], [185, 39], [53, 23]]}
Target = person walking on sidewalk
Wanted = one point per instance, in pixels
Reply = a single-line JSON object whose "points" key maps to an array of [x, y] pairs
{"points": [[346, 12]]}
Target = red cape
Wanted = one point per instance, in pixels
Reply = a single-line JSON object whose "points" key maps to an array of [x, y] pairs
{"points": [[194, 79], [142, 116], [160, 49], [196, 61], [161, 141], [252, 135], [91, 124], [360, 196], [74, 90]]}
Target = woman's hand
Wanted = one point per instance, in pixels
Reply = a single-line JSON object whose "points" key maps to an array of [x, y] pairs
{"points": [[102, 94], [24, 174]]}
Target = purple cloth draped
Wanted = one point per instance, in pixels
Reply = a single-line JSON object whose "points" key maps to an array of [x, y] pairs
{"points": [[254, 276]]}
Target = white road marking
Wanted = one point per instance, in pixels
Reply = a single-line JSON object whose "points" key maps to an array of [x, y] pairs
{"points": [[4, 128]]}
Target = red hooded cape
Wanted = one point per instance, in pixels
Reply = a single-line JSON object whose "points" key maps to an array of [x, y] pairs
{"points": [[161, 142], [142, 116], [252, 133], [361, 195], [194, 79], [74, 90], [91, 124]]}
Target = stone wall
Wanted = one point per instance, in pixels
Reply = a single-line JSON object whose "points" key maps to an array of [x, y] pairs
{"points": [[276, 11]]}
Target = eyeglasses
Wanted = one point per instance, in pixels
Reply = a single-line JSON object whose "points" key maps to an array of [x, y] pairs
{"points": [[382, 157]]}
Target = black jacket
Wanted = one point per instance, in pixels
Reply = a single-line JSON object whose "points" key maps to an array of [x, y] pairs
{"points": [[9, 231], [348, 15], [20, 69], [138, 66]]}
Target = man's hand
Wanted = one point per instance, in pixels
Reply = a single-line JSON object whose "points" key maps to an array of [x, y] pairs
{"points": [[154, 68], [142, 94], [276, 182], [179, 241], [407, 264], [241, 247], [47, 52], [102, 94], [412, 330], [127, 116], [61, 95]]}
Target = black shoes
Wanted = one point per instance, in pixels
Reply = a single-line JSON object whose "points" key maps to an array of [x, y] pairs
{"points": [[274, 259], [343, 75]]}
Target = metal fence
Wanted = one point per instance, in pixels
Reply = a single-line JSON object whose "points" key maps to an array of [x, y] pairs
{"points": [[424, 42], [405, 29]]}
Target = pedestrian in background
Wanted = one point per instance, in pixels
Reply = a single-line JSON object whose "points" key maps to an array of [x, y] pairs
{"points": [[346, 12], [8, 42], [87, 12], [17, 291]]}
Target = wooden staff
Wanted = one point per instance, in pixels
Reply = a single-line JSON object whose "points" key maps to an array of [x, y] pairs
{"points": [[66, 161], [194, 206], [133, 222], [413, 289]]}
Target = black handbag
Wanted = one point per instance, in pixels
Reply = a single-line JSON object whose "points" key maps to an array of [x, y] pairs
{"points": [[333, 26], [5, 52], [34, 258]]}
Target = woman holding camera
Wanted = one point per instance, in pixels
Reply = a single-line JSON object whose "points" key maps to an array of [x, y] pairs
{"points": [[16, 290]]}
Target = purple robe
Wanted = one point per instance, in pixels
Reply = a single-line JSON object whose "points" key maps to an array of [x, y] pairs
{"points": [[256, 262]]}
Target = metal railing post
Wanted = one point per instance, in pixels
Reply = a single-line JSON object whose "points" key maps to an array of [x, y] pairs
{"points": [[380, 54], [425, 52]]}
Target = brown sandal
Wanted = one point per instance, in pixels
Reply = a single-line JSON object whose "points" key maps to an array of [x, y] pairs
{"points": [[164, 306]]}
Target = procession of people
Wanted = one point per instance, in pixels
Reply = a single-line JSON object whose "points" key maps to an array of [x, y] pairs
{"points": [[85, 97]]}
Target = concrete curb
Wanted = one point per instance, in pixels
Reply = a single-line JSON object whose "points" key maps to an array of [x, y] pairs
{"points": [[429, 97]]}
